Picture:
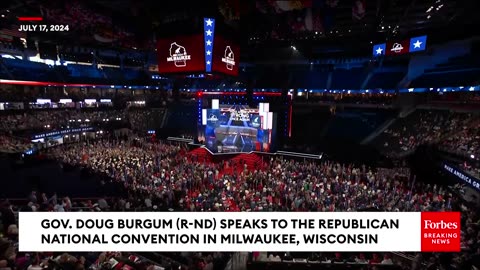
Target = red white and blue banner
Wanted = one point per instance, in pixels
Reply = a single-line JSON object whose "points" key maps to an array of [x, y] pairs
{"points": [[412, 45], [209, 39]]}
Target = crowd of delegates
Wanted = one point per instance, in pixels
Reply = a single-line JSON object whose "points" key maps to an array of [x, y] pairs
{"points": [[11, 259], [376, 99], [423, 127], [164, 177], [336, 257], [139, 118], [465, 142], [50, 119], [453, 132], [9, 144], [11, 94], [156, 169]]}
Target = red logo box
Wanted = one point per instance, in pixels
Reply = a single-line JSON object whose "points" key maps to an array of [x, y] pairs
{"points": [[440, 232]]}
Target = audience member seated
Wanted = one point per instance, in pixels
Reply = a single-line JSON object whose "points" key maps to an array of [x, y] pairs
{"points": [[139, 119], [40, 120], [421, 127], [379, 99], [9, 144], [465, 142]]}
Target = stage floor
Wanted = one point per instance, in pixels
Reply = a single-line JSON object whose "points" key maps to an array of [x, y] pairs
{"points": [[230, 145]]}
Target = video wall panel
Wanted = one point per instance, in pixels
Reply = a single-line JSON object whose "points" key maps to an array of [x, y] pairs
{"points": [[226, 56], [200, 53], [181, 54], [237, 128]]}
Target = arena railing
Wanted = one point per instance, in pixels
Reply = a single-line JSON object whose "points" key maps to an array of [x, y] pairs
{"points": [[180, 139], [295, 265], [160, 260], [403, 257], [277, 153]]}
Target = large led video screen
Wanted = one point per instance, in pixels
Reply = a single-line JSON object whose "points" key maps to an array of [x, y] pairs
{"points": [[226, 56], [181, 54], [235, 128]]}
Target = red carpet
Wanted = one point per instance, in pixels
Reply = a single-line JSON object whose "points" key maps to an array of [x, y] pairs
{"points": [[253, 162], [234, 164], [201, 154]]}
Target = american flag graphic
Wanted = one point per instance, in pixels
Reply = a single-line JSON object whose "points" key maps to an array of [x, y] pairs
{"points": [[208, 34]]}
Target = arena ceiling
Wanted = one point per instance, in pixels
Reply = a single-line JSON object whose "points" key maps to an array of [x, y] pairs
{"points": [[333, 18], [294, 20], [318, 26]]}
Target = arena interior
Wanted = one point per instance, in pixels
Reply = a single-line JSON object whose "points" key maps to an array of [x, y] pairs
{"points": [[317, 105]]}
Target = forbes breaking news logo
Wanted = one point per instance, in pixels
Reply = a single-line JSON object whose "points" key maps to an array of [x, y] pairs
{"points": [[178, 55], [429, 224], [229, 58], [440, 232]]}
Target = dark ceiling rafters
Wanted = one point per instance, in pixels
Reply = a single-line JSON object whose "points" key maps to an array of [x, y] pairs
{"points": [[409, 15], [407, 9]]}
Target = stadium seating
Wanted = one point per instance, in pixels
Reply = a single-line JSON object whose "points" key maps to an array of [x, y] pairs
{"points": [[355, 125], [44, 120], [84, 71], [348, 79], [434, 78], [421, 127], [114, 74], [457, 71], [181, 119], [309, 78], [143, 120], [386, 74], [385, 80]]}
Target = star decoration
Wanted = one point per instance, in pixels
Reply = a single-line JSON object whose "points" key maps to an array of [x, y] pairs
{"points": [[209, 52], [379, 50], [209, 42], [209, 22], [209, 32], [208, 62], [417, 44]]}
